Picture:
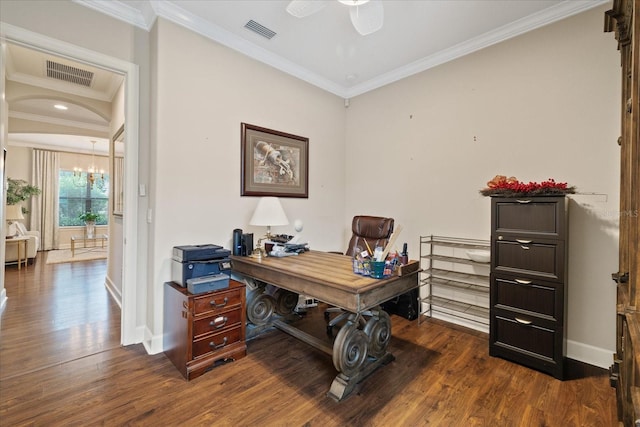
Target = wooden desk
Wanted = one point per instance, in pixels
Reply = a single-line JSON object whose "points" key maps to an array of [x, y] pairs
{"points": [[361, 344], [21, 241]]}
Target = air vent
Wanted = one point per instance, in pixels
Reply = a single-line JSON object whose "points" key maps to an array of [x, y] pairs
{"points": [[260, 29], [70, 74]]}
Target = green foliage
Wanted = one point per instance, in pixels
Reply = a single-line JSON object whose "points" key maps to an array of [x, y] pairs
{"points": [[18, 190], [89, 216], [76, 196]]}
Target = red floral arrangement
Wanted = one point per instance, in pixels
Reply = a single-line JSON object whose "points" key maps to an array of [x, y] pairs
{"points": [[502, 186]]}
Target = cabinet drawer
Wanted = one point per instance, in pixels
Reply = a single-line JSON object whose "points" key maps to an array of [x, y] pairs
{"points": [[529, 296], [217, 322], [522, 256], [217, 301], [529, 216], [216, 342], [515, 334]]}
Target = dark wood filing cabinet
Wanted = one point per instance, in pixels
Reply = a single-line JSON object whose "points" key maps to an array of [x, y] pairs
{"points": [[529, 282], [205, 330]]}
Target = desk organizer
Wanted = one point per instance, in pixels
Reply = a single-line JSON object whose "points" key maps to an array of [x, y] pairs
{"points": [[363, 267]]}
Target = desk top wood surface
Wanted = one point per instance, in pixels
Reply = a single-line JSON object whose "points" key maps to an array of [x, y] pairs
{"points": [[326, 276]]}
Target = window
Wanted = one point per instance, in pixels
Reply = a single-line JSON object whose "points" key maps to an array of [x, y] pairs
{"points": [[77, 195]]}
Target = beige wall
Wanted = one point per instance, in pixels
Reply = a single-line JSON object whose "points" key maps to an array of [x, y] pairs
{"points": [[203, 93], [542, 105]]}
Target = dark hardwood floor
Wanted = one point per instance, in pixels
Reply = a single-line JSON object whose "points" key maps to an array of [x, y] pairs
{"points": [[61, 364]]}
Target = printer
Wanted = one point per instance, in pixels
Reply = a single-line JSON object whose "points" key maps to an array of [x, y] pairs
{"points": [[194, 261]]}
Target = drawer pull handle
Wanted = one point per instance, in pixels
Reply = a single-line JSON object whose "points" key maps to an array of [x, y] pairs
{"points": [[522, 321], [219, 322], [524, 242], [213, 303], [523, 282], [523, 201], [217, 346]]}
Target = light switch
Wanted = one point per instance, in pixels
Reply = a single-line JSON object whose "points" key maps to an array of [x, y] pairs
{"points": [[142, 190]]}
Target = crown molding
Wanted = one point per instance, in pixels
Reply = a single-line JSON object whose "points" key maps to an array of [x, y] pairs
{"points": [[123, 12], [548, 16], [171, 11]]}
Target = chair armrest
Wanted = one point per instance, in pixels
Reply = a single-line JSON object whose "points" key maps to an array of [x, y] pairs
{"points": [[33, 233]]}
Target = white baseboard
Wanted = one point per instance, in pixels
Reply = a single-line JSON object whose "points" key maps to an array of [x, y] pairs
{"points": [[585, 353], [461, 322], [589, 354], [152, 343], [114, 291]]}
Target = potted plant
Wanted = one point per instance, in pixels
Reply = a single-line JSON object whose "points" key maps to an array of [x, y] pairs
{"points": [[18, 190], [90, 219]]}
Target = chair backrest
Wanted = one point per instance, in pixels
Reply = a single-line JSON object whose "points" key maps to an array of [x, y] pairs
{"points": [[376, 230]]}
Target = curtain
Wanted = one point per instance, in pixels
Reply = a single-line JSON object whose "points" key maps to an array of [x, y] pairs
{"points": [[44, 208]]}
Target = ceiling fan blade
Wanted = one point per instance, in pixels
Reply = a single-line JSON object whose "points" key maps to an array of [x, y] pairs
{"points": [[304, 8], [367, 18]]}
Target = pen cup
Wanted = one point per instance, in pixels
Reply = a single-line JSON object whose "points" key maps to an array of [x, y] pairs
{"points": [[377, 269]]}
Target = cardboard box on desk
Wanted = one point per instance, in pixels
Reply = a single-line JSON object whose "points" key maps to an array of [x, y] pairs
{"points": [[411, 267]]}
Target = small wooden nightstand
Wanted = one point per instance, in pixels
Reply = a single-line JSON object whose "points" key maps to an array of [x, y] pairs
{"points": [[205, 330]]}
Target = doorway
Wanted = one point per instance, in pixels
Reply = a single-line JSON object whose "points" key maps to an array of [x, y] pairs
{"points": [[129, 217]]}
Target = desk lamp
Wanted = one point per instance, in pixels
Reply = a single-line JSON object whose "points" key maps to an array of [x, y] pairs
{"points": [[13, 213], [268, 212]]}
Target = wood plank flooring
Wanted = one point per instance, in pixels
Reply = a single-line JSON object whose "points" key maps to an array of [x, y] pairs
{"points": [[61, 364]]}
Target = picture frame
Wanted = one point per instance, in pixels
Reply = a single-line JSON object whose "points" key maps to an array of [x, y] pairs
{"points": [[117, 172], [273, 163]]}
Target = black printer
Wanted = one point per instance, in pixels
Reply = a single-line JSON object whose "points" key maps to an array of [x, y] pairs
{"points": [[192, 261]]}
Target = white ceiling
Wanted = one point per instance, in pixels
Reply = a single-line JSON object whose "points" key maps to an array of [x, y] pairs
{"points": [[27, 66], [323, 49]]}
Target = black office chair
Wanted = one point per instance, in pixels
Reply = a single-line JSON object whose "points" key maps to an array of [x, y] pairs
{"points": [[373, 230]]}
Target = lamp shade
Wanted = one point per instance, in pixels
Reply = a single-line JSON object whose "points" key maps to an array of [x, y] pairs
{"points": [[14, 212], [269, 212]]}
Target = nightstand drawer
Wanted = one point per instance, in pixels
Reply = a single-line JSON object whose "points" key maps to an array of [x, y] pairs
{"points": [[218, 322], [529, 296], [529, 258], [218, 301], [216, 342]]}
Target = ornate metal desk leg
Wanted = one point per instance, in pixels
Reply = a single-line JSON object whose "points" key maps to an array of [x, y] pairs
{"points": [[260, 310], [357, 353]]}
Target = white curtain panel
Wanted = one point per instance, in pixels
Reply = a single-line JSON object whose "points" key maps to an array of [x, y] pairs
{"points": [[44, 208]]}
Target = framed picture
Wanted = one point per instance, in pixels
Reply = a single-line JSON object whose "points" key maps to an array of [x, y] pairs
{"points": [[273, 163]]}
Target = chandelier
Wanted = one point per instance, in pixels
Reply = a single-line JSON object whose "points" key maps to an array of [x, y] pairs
{"points": [[92, 173]]}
